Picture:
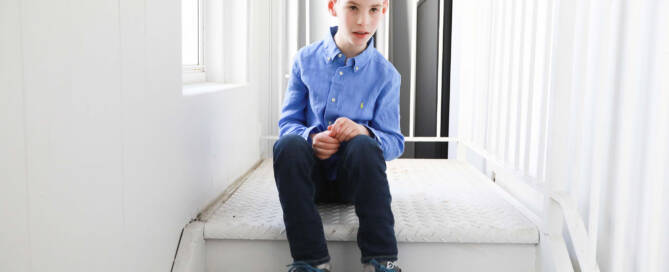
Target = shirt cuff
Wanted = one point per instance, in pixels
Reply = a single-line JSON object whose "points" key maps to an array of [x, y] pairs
{"points": [[373, 133], [306, 133]]}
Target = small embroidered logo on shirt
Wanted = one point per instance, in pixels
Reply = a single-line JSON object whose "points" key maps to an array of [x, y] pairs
{"points": [[361, 105]]}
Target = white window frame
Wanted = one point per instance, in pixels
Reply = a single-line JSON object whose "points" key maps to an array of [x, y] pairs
{"points": [[197, 73], [223, 48]]}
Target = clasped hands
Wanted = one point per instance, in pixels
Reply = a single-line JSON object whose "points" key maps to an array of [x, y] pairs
{"points": [[326, 143]]}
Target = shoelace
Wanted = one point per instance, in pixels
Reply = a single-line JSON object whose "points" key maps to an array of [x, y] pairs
{"points": [[294, 267], [380, 268]]}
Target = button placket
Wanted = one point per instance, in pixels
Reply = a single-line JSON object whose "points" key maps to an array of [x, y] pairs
{"points": [[331, 110]]}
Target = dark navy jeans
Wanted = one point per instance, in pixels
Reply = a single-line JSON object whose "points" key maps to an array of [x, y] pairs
{"points": [[361, 181]]}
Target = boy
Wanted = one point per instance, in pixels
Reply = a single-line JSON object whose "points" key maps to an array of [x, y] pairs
{"points": [[338, 126]]}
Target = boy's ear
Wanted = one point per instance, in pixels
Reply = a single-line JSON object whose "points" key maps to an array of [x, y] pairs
{"points": [[385, 7], [331, 7]]}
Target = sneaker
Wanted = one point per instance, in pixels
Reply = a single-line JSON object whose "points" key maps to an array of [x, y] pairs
{"points": [[305, 267], [387, 266]]}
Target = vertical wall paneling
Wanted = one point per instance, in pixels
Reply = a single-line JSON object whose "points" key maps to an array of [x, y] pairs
{"points": [[544, 106], [106, 160], [14, 188], [530, 71], [72, 132], [574, 96], [654, 248], [494, 76], [632, 89], [522, 110]]}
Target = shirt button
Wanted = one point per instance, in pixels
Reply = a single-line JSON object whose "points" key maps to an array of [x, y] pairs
{"points": [[333, 100], [356, 68], [329, 122], [341, 73], [328, 58], [339, 55]]}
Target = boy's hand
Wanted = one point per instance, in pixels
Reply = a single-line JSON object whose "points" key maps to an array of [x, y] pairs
{"points": [[345, 129], [324, 145]]}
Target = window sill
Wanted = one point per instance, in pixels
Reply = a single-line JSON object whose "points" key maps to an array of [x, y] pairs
{"points": [[193, 89]]}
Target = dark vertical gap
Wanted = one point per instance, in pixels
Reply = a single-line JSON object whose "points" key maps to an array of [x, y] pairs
{"points": [[400, 57], [446, 74], [427, 44], [427, 76], [427, 52]]}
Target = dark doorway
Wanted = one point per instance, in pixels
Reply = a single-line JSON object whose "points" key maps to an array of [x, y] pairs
{"points": [[426, 73]]}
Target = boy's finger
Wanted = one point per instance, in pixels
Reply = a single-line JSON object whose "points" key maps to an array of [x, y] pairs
{"points": [[324, 145], [333, 151], [336, 128], [322, 154], [346, 134], [341, 136], [336, 136], [329, 139]]}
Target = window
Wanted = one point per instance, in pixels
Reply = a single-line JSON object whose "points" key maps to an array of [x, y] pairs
{"points": [[192, 40], [214, 44]]}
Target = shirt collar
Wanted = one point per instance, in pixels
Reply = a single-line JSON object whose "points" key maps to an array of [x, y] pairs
{"points": [[332, 51]]}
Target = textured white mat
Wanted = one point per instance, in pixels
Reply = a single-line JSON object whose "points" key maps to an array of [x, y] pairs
{"points": [[434, 200]]}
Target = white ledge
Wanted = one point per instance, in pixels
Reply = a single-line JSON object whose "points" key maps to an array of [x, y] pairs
{"points": [[199, 88]]}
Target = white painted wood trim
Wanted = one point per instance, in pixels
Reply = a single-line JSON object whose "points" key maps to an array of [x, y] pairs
{"points": [[414, 36], [211, 87], [440, 64], [191, 253]]}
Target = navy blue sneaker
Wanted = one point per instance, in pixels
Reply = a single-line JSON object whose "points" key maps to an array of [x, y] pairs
{"points": [[305, 267]]}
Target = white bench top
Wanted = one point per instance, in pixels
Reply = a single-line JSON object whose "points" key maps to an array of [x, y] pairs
{"points": [[434, 200]]}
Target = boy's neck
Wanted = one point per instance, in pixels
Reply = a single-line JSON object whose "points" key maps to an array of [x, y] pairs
{"points": [[348, 49]]}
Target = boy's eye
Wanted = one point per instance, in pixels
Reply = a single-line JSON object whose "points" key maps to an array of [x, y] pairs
{"points": [[374, 10], [353, 7]]}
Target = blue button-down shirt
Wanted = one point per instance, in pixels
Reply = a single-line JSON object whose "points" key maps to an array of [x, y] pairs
{"points": [[325, 85]]}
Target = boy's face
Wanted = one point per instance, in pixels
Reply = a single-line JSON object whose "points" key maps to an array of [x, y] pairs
{"points": [[357, 19]]}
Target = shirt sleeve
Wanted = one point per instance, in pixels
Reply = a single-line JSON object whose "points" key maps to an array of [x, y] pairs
{"points": [[293, 112], [385, 124]]}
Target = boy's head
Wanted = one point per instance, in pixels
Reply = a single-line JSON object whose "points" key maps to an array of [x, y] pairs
{"points": [[357, 19]]}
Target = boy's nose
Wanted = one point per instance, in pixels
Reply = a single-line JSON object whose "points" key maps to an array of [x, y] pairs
{"points": [[363, 19]]}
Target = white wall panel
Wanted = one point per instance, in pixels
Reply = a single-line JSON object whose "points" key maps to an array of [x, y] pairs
{"points": [[14, 235], [72, 104], [114, 160]]}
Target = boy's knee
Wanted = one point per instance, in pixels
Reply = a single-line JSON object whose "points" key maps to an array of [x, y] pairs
{"points": [[290, 142], [363, 147], [362, 142]]}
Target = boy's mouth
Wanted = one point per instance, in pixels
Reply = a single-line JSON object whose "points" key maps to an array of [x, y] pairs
{"points": [[360, 34]]}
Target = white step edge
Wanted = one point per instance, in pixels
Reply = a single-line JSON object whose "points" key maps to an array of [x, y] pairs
{"points": [[263, 256]]}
